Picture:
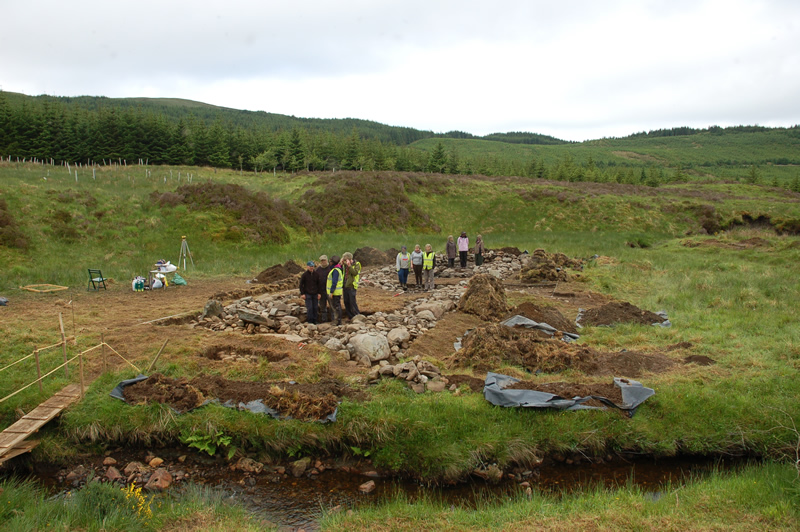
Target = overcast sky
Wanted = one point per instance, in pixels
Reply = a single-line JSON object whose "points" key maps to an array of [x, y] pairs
{"points": [[575, 70]]}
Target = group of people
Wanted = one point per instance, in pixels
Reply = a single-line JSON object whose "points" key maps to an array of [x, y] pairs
{"points": [[460, 248], [423, 262], [323, 287]]}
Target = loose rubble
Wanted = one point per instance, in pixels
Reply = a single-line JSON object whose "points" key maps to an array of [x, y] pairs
{"points": [[377, 341]]}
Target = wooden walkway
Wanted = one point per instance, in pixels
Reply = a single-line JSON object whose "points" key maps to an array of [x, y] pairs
{"points": [[12, 440]]}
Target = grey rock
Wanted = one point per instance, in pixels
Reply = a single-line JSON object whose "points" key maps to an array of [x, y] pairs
{"points": [[398, 336], [212, 309], [374, 346]]}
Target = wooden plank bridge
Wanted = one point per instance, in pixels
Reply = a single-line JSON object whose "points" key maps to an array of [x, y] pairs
{"points": [[13, 440]]}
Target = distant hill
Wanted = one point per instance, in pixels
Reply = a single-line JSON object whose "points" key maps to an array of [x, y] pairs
{"points": [[177, 109], [174, 131]]}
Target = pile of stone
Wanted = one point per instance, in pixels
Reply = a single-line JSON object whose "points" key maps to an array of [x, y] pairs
{"points": [[377, 341], [420, 375], [260, 314]]}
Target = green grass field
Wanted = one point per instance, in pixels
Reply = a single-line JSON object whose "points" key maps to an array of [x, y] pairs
{"points": [[734, 303]]}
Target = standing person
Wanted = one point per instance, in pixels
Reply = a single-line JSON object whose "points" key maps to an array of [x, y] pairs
{"points": [[428, 261], [451, 252], [309, 289], [321, 274], [334, 288], [416, 263], [463, 248], [480, 249], [403, 263], [352, 274]]}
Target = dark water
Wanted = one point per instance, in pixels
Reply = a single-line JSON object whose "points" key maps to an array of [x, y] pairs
{"points": [[294, 503], [297, 503]]}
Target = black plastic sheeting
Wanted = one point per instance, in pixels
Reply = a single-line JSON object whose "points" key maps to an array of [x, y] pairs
{"points": [[256, 407], [494, 391], [528, 323]]}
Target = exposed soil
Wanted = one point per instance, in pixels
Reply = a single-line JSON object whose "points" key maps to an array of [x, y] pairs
{"points": [[548, 315], [508, 251], [240, 350], [474, 383], [485, 297], [749, 243], [700, 360], [279, 272], [569, 390], [543, 266], [177, 393], [619, 312], [368, 256], [299, 401], [438, 342], [487, 348]]}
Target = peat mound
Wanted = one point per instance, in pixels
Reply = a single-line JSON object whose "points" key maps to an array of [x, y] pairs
{"points": [[549, 315], [619, 312], [368, 256], [157, 388], [570, 390], [489, 348], [485, 297], [509, 250], [299, 401], [543, 266], [279, 272]]}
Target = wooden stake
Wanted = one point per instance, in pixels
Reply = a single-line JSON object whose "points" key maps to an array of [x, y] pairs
{"points": [[153, 363], [103, 351], [80, 365], [64, 344], [38, 369]]}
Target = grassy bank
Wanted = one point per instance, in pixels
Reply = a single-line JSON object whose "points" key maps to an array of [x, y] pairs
{"points": [[24, 506], [732, 305], [757, 498]]}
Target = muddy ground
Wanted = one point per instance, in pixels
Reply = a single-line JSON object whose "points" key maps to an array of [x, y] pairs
{"points": [[136, 325]]}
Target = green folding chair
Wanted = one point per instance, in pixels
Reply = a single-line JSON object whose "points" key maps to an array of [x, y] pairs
{"points": [[96, 280]]}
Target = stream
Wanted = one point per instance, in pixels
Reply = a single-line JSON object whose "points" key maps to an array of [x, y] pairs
{"points": [[297, 503]]}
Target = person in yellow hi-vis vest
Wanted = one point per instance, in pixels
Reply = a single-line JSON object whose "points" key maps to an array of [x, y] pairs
{"points": [[428, 262], [352, 274], [335, 287]]}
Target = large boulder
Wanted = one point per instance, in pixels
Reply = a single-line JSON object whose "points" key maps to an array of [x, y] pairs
{"points": [[373, 346]]}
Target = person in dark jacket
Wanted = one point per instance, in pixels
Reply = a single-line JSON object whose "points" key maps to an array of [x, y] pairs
{"points": [[451, 251], [309, 289], [321, 273]]}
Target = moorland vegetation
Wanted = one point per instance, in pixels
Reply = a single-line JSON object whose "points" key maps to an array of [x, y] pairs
{"points": [[703, 225]]}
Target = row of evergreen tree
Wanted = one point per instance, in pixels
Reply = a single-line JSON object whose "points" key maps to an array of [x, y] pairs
{"points": [[60, 131]]}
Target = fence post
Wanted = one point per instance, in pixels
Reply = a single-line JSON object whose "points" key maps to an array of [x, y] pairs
{"points": [[63, 344], [80, 364], [103, 351], [38, 369]]}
